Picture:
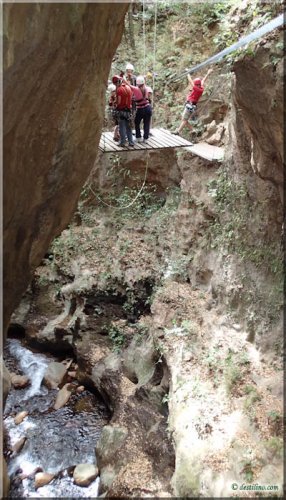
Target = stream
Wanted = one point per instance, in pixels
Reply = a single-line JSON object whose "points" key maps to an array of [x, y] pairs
{"points": [[56, 440]]}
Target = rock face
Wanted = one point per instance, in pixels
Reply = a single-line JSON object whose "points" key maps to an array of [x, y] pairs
{"points": [[6, 381], [56, 64], [260, 107]]}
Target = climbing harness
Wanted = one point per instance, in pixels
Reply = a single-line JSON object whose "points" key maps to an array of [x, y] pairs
{"points": [[133, 201], [271, 25]]}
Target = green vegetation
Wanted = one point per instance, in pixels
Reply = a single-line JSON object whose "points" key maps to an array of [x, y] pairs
{"points": [[248, 470], [234, 367], [275, 446], [252, 396], [117, 337]]}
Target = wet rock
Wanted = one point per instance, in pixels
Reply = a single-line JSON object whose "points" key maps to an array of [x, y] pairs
{"points": [[6, 381], [19, 381], [62, 397], [80, 389], [19, 445], [42, 478], [84, 474], [54, 374], [20, 417]]}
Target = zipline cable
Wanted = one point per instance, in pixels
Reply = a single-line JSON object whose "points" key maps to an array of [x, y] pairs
{"points": [[275, 23]]}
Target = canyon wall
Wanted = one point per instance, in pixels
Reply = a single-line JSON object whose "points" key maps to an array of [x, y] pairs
{"points": [[56, 62]]}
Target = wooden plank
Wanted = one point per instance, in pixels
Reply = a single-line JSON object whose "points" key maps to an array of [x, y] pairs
{"points": [[108, 144], [162, 140], [207, 151], [172, 141], [159, 139], [175, 138]]}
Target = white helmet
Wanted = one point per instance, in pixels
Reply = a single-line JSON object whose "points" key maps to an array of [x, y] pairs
{"points": [[140, 80], [111, 87], [129, 66]]}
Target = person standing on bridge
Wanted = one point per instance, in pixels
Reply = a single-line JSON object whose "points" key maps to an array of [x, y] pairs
{"points": [[142, 95], [196, 90], [123, 108]]}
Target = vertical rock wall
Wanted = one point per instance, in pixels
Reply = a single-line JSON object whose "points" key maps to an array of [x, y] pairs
{"points": [[258, 100], [56, 63]]}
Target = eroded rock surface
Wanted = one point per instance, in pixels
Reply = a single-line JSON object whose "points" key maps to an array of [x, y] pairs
{"points": [[56, 64]]}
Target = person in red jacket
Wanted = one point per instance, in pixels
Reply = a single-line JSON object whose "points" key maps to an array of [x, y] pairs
{"points": [[124, 110], [195, 92]]}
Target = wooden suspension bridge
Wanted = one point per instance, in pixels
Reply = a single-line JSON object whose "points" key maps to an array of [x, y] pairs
{"points": [[161, 139]]}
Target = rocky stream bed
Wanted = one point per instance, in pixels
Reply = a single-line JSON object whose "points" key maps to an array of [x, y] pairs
{"points": [[43, 444]]}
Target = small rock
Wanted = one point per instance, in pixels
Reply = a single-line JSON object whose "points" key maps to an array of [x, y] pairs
{"points": [[19, 445], [19, 381], [42, 478], [236, 327], [84, 474], [80, 389], [62, 397], [20, 417]]}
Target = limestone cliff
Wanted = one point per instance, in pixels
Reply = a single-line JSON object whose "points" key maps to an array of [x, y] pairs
{"points": [[56, 63]]}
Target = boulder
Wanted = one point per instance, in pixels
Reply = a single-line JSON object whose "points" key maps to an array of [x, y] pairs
{"points": [[54, 374], [16, 448], [19, 381], [84, 474], [43, 478], [62, 397], [20, 417]]}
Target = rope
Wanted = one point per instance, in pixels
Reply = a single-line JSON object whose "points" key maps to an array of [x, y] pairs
{"points": [[144, 39], [278, 21], [154, 55], [133, 201]]}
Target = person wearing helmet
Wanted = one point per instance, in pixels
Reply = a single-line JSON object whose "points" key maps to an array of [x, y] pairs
{"points": [[142, 96], [129, 74], [196, 90], [123, 109], [112, 110]]}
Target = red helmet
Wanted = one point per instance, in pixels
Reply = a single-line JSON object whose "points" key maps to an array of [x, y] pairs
{"points": [[197, 81], [116, 79]]}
